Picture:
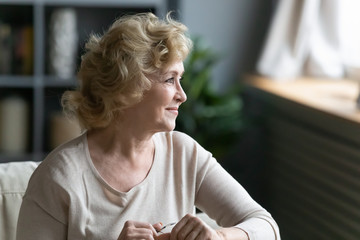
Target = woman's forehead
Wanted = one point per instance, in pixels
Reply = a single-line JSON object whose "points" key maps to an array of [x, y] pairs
{"points": [[175, 68]]}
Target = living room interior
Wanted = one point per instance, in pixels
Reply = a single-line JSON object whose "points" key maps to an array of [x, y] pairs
{"points": [[296, 148]]}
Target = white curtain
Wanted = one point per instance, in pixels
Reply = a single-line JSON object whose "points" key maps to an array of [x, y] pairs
{"points": [[319, 38]]}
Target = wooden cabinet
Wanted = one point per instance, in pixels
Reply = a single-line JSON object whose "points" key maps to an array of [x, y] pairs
{"points": [[311, 130]]}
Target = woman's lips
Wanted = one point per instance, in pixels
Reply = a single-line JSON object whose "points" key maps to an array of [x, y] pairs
{"points": [[173, 110]]}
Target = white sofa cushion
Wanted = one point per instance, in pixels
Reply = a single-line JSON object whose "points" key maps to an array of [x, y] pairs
{"points": [[14, 178]]}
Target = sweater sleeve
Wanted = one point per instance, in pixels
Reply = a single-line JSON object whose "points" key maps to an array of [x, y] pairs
{"points": [[43, 212], [35, 223], [221, 197]]}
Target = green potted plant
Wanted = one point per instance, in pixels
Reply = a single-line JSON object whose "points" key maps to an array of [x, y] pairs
{"points": [[213, 119]]}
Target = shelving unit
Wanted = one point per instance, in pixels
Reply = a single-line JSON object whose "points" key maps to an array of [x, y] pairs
{"points": [[40, 89]]}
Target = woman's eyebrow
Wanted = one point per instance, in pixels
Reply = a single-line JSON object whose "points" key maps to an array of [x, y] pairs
{"points": [[175, 72]]}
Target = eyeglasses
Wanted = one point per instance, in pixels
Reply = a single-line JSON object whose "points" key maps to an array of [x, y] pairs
{"points": [[162, 230]]}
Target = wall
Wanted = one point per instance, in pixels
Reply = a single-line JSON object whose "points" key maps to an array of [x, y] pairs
{"points": [[236, 29], [233, 28]]}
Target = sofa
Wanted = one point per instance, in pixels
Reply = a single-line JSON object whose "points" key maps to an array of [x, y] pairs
{"points": [[14, 177]]}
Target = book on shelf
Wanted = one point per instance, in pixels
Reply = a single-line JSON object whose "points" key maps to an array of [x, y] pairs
{"points": [[5, 48], [16, 49]]}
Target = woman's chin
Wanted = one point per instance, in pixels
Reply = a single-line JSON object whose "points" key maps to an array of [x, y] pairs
{"points": [[170, 127]]}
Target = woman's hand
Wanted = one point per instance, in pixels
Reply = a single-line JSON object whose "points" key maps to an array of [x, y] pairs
{"points": [[191, 227], [139, 230]]}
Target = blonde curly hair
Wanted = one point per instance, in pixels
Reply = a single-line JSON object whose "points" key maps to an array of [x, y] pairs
{"points": [[113, 68]]}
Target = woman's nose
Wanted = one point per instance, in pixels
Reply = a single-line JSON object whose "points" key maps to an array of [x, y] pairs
{"points": [[181, 95]]}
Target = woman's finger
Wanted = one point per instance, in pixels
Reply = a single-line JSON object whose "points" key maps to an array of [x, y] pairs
{"points": [[158, 226], [140, 225], [163, 236], [136, 233], [189, 227], [141, 233], [137, 230]]}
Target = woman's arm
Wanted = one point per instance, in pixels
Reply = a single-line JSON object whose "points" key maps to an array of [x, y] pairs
{"points": [[220, 196], [190, 227], [233, 234], [225, 200], [35, 223]]}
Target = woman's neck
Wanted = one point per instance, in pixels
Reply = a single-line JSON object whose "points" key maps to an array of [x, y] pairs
{"points": [[117, 141], [122, 157]]}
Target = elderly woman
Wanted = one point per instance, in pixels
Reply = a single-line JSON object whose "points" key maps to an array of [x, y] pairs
{"points": [[129, 172]]}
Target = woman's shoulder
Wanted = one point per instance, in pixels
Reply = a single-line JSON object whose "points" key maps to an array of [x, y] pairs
{"points": [[175, 138], [57, 181], [63, 161], [68, 150], [180, 142]]}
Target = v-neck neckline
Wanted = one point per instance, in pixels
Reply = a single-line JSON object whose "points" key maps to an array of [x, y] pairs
{"points": [[106, 184]]}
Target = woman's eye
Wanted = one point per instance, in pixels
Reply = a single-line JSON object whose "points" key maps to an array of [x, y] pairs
{"points": [[170, 80]]}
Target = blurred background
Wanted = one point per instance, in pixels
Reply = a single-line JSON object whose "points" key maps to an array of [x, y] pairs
{"points": [[40, 47], [272, 89]]}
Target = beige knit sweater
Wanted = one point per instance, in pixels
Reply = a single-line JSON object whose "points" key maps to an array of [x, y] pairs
{"points": [[68, 199]]}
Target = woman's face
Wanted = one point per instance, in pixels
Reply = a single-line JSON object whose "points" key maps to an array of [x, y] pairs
{"points": [[159, 107]]}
